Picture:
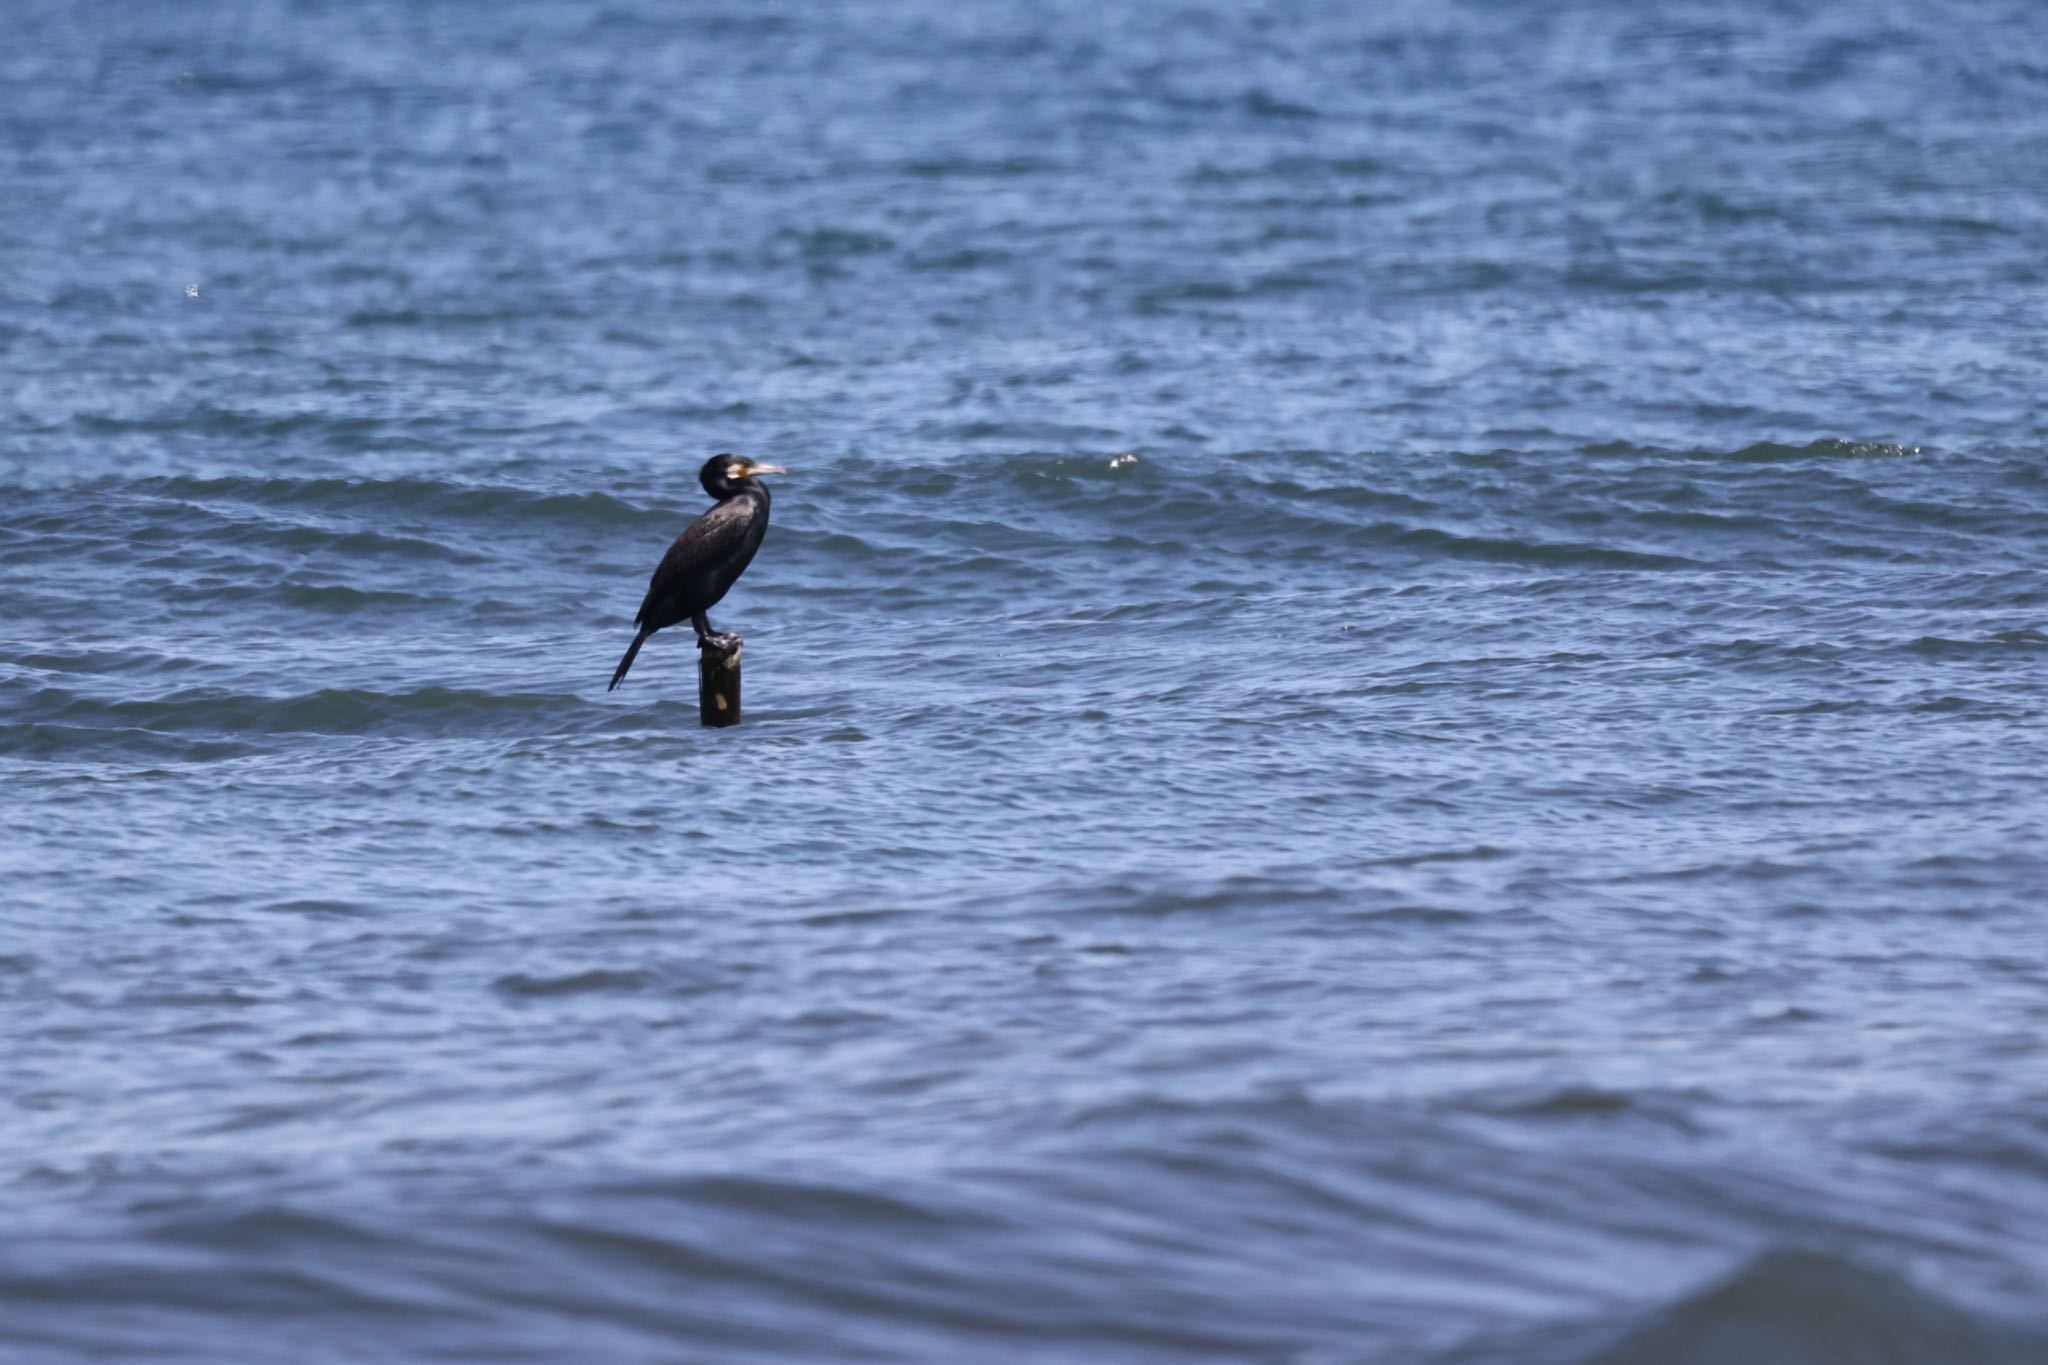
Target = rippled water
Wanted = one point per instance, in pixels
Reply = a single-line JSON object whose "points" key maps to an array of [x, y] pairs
{"points": [[1393, 710]]}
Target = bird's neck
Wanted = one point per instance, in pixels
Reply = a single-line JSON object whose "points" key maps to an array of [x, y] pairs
{"points": [[726, 490]]}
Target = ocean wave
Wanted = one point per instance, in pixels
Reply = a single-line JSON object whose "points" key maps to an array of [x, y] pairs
{"points": [[1133, 1223], [428, 499], [1278, 506], [54, 718], [1634, 509], [1766, 452], [1787, 1306], [131, 743], [322, 544]]}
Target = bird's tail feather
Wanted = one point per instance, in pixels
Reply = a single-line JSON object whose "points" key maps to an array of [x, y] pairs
{"points": [[627, 662]]}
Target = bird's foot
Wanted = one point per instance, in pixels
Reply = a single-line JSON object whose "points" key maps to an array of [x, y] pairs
{"points": [[725, 642]]}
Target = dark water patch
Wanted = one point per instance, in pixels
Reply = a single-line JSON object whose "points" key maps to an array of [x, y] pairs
{"points": [[1364, 498], [318, 908], [1228, 897], [1293, 167], [2005, 644], [802, 1203], [163, 997], [43, 740], [1788, 1016], [178, 534], [127, 659], [207, 420], [828, 244], [842, 918], [836, 1023], [1953, 706], [458, 318], [309, 541], [122, 1290], [424, 712], [1789, 1305], [961, 260], [975, 168], [2009, 1145], [596, 979], [1268, 285], [1977, 872], [1317, 503], [1350, 922], [338, 599], [1831, 448], [1014, 431], [1476, 853], [1154, 504], [428, 500], [1658, 1111], [271, 1226]]}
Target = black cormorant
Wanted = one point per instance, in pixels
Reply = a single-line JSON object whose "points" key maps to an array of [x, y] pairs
{"points": [[707, 557]]}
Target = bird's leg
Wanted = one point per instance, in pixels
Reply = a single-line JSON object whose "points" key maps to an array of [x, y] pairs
{"points": [[707, 638]]}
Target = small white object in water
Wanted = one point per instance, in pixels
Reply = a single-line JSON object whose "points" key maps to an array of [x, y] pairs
{"points": [[191, 291], [1127, 458]]}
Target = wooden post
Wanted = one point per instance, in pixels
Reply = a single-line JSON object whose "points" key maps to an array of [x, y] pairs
{"points": [[718, 684]]}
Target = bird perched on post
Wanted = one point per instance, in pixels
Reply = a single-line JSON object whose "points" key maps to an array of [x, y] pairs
{"points": [[707, 557]]}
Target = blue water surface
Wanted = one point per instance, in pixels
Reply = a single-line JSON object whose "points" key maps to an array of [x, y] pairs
{"points": [[1393, 711]]}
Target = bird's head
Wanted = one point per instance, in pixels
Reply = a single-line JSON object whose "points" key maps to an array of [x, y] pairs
{"points": [[722, 474]]}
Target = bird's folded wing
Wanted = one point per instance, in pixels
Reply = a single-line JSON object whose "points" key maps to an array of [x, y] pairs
{"points": [[710, 540]]}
